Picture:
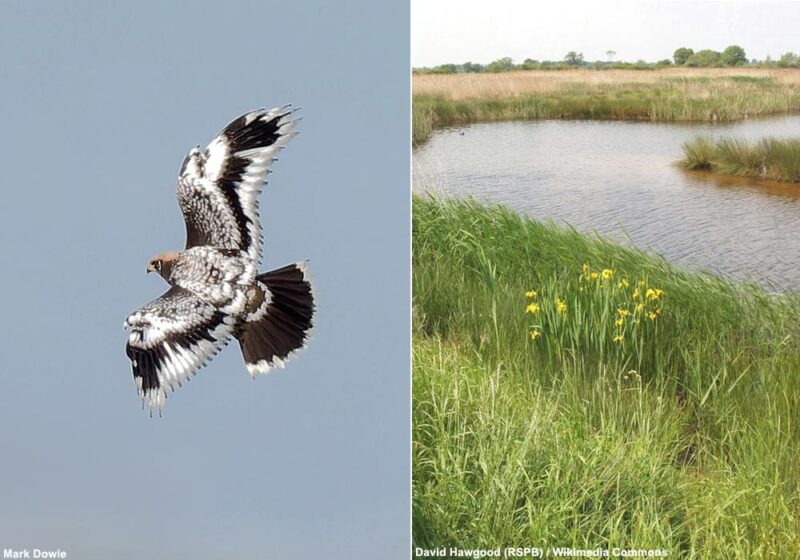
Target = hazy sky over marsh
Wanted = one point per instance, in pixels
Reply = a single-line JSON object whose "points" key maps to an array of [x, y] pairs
{"points": [[456, 31], [101, 102]]}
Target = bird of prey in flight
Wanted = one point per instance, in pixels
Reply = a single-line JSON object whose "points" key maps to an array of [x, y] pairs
{"points": [[216, 292]]}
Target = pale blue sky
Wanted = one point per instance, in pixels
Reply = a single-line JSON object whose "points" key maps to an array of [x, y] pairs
{"points": [[445, 31], [100, 105]]}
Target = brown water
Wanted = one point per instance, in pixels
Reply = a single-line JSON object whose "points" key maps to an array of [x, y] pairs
{"points": [[619, 178]]}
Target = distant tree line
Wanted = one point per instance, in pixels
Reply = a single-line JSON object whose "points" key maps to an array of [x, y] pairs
{"points": [[706, 58], [732, 56]]}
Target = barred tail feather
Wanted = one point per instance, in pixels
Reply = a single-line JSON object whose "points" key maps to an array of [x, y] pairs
{"points": [[283, 322]]}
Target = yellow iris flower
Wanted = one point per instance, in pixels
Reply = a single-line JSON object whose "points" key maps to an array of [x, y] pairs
{"points": [[532, 308], [561, 307]]}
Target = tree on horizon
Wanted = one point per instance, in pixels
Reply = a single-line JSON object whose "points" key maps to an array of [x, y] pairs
{"points": [[681, 55], [574, 58], [733, 56]]}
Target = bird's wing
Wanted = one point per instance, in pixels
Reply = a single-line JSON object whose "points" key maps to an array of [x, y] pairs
{"points": [[171, 338], [218, 188]]}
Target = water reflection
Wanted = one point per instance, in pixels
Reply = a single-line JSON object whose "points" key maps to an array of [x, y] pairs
{"points": [[619, 178], [761, 186]]}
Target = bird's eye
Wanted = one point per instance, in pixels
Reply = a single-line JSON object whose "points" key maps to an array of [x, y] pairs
{"points": [[158, 266]]}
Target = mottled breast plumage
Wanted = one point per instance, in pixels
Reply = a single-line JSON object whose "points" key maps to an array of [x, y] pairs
{"points": [[219, 276]]}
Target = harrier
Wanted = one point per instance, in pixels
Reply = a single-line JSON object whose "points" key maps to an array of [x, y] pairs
{"points": [[216, 292]]}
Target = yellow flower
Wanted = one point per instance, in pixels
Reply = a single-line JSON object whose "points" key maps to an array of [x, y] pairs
{"points": [[531, 293], [635, 293], [594, 276], [623, 312], [619, 322], [535, 334], [561, 307], [639, 307], [585, 269], [618, 338], [607, 273], [532, 308], [622, 284], [642, 283], [652, 315], [654, 294]]}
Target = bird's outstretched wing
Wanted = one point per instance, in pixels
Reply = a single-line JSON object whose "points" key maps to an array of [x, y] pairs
{"points": [[218, 188], [171, 338]]}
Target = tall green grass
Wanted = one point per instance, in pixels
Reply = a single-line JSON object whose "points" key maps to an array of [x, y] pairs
{"points": [[769, 158], [685, 436]]}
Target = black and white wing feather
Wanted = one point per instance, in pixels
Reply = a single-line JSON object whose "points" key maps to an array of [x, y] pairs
{"points": [[171, 338], [219, 188]]}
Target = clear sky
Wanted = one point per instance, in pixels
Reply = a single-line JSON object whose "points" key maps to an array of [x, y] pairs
{"points": [[456, 31], [101, 102]]}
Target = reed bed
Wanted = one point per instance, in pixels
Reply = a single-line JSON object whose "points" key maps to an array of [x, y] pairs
{"points": [[770, 158], [672, 94], [681, 435]]}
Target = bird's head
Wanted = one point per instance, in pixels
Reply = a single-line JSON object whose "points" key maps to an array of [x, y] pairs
{"points": [[162, 264]]}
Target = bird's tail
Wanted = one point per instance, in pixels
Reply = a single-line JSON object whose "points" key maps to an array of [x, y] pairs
{"points": [[281, 324]]}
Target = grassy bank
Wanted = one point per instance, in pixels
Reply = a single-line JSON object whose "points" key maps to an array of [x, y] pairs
{"points": [[680, 94], [770, 158], [673, 425]]}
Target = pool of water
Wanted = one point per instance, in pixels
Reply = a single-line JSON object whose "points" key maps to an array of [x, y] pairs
{"points": [[619, 178]]}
